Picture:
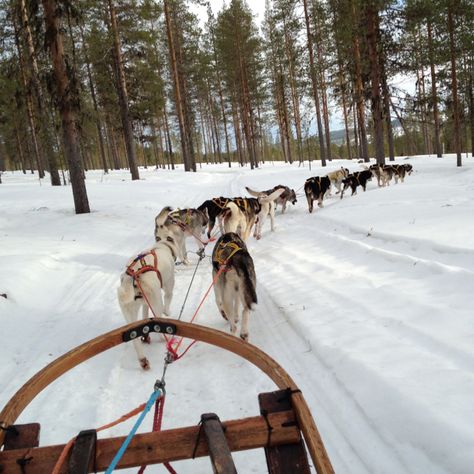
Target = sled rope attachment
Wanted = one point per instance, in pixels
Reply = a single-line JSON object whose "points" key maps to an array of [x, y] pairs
{"points": [[68, 446]]}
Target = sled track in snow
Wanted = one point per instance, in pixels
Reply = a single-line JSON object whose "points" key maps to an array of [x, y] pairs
{"points": [[273, 331]]}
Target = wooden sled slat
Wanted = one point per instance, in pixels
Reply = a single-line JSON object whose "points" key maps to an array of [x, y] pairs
{"points": [[162, 446], [22, 436], [283, 458], [219, 451]]}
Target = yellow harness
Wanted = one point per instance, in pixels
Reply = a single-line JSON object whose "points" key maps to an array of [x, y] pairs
{"points": [[220, 202], [176, 216], [241, 202], [225, 252]]}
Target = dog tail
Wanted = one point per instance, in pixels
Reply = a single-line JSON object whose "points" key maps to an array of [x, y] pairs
{"points": [[231, 209], [271, 197], [126, 291], [254, 193], [203, 206], [246, 271]]}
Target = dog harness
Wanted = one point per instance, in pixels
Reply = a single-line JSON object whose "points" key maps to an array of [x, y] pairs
{"points": [[175, 218], [225, 252], [242, 203], [139, 266], [220, 202]]}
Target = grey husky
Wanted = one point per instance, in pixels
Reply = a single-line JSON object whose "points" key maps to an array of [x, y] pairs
{"points": [[183, 223]]}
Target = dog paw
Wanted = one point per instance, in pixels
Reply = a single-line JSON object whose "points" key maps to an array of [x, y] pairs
{"points": [[145, 364], [244, 336], [146, 339]]}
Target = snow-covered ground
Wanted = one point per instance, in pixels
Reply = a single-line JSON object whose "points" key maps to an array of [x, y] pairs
{"points": [[367, 303]]}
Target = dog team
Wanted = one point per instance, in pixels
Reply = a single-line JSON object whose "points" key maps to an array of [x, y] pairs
{"points": [[149, 278]]}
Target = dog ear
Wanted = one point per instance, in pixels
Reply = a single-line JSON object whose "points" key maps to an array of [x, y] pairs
{"points": [[160, 219]]}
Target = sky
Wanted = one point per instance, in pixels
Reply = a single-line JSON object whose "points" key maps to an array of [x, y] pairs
{"points": [[257, 6]]}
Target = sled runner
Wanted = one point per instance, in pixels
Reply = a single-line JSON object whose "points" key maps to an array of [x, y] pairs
{"points": [[284, 421]]}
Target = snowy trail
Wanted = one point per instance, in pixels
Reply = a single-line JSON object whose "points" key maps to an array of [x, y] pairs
{"points": [[365, 351], [366, 303]]}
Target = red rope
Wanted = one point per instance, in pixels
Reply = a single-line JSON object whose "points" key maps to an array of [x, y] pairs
{"points": [[171, 345], [157, 421]]}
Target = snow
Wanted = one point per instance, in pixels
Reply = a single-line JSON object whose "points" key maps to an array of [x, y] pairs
{"points": [[367, 303]]}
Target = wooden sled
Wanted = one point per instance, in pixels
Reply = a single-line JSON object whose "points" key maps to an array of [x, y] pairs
{"points": [[284, 421]]}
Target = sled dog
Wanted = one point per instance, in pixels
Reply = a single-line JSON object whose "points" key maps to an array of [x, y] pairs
{"points": [[240, 216], [267, 208], [214, 208], [288, 195], [359, 178], [185, 223], [336, 178], [236, 284], [315, 188], [146, 276]]}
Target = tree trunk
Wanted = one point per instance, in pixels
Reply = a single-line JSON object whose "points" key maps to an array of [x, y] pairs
{"points": [[237, 135], [421, 99], [285, 119], [187, 110], [20, 151], [221, 101], [179, 101], [294, 95], [123, 95], [94, 102], [386, 107], [322, 81], [359, 89], [434, 93], [356, 128], [454, 87], [29, 104], [67, 107], [46, 135], [279, 93], [471, 105], [376, 98], [410, 145], [314, 85], [168, 139]]}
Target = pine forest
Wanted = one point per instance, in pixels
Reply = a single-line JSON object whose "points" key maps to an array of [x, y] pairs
{"points": [[116, 84]]}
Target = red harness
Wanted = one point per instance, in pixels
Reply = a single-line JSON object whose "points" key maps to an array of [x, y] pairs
{"points": [[140, 259]]}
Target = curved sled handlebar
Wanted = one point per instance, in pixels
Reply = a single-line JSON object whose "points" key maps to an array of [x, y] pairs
{"points": [[251, 353]]}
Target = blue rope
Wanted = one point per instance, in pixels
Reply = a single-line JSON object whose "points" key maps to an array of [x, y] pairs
{"points": [[153, 397]]}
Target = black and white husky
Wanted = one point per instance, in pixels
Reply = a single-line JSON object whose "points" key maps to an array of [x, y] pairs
{"points": [[182, 223], [288, 195], [236, 284], [267, 208], [214, 209], [315, 188], [147, 275]]}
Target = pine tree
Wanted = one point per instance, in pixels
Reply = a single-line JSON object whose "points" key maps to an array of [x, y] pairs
{"points": [[67, 106]]}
